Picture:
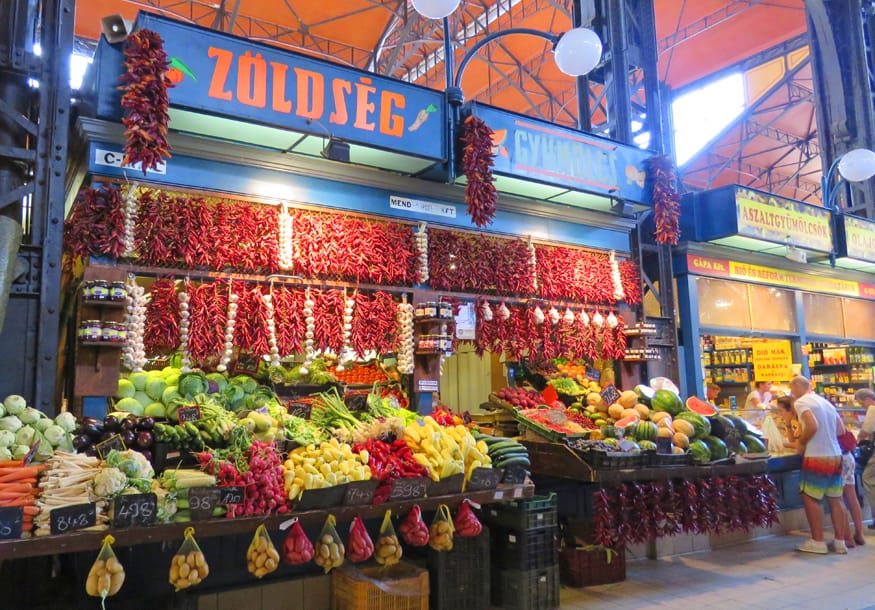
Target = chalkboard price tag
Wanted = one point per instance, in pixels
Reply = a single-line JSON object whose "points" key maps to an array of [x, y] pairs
{"points": [[663, 445], [610, 395], [299, 409], [593, 374], [190, 413], [232, 494], [408, 489], [71, 518], [484, 478], [113, 442], [134, 510], [10, 522], [202, 501], [360, 493]]}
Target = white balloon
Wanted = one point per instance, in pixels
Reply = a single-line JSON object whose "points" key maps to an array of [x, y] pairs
{"points": [[435, 9], [578, 52], [857, 165]]}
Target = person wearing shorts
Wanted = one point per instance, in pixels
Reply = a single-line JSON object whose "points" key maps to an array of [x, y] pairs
{"points": [[821, 474], [852, 502]]}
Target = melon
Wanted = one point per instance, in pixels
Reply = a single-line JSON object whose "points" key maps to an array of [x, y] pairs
{"points": [[681, 440], [609, 431], [645, 394], [701, 425], [700, 451], [602, 407], [626, 421], [628, 399], [677, 450], [646, 431], [665, 433], [684, 427], [754, 445], [701, 407], [643, 410], [594, 399], [667, 401], [616, 410], [658, 416], [718, 448], [631, 413]]}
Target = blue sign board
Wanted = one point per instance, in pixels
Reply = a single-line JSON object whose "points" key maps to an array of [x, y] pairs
{"points": [[219, 74], [536, 150]]}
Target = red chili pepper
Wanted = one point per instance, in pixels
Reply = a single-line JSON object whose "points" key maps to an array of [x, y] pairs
{"points": [[161, 334], [96, 223], [477, 162]]}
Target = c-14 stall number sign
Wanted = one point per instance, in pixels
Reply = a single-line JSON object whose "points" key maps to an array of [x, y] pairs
{"points": [[225, 75]]}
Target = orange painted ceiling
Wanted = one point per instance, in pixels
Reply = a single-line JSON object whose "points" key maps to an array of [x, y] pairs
{"points": [[696, 39]]}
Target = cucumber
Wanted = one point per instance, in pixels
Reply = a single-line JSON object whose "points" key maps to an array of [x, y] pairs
{"points": [[516, 448], [514, 461], [507, 452], [502, 445]]}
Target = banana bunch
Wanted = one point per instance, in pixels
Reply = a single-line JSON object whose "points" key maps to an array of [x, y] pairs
{"points": [[324, 465], [445, 451]]}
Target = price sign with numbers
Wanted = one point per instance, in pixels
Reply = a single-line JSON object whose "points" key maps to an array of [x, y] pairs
{"points": [[360, 493], [134, 510], [202, 501], [114, 442], [10, 522], [71, 518], [408, 489], [610, 394], [484, 478], [190, 413], [232, 494], [593, 374], [299, 409]]}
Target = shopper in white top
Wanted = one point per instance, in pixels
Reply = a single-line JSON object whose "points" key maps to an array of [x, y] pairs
{"points": [[760, 397], [821, 473], [867, 432]]}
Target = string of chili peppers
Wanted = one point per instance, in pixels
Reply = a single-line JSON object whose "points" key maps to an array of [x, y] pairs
{"points": [[96, 223], [477, 162], [666, 201]]}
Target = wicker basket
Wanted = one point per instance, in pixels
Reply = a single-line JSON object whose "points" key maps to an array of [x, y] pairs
{"points": [[399, 587], [586, 567]]}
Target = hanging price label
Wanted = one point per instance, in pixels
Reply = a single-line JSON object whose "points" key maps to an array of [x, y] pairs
{"points": [[408, 489], [71, 518], [299, 409], [202, 501], [10, 522], [134, 510], [610, 395], [190, 413], [114, 442], [484, 478], [232, 494]]}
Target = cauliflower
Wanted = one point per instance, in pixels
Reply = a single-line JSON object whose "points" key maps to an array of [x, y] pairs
{"points": [[109, 482], [134, 465], [166, 502]]}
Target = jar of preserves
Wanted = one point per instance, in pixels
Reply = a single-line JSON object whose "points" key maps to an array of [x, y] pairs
{"points": [[419, 310], [90, 330], [118, 291], [446, 310], [119, 332], [431, 309], [109, 333], [99, 290]]}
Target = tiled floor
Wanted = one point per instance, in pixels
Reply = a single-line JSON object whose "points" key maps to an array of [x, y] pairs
{"points": [[764, 574]]}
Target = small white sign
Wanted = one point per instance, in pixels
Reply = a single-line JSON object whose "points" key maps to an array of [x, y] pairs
{"points": [[114, 158], [404, 204], [466, 322], [427, 385]]}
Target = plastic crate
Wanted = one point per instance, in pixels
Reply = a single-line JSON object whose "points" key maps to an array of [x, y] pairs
{"points": [[460, 578], [528, 589], [523, 515], [528, 550], [399, 587], [614, 460], [588, 567], [672, 460]]}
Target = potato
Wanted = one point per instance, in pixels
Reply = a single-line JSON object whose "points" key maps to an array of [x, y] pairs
{"points": [[114, 566], [191, 560], [118, 580], [104, 581], [327, 539], [184, 570], [271, 564], [193, 576], [259, 560], [325, 551], [182, 583], [91, 584]]}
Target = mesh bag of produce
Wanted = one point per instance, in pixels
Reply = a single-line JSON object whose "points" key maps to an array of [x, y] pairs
{"points": [[440, 534], [466, 523], [388, 551], [329, 547], [413, 529], [106, 576], [297, 549], [188, 566], [261, 556], [360, 547]]}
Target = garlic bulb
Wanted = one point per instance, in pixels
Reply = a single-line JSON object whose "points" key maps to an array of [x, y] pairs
{"points": [[486, 311], [554, 316], [598, 319], [538, 314], [405, 337], [421, 237], [569, 316], [285, 232], [184, 315], [129, 207], [504, 312], [310, 331], [533, 261], [271, 330], [134, 351], [612, 320], [584, 317], [225, 360], [347, 353], [616, 278]]}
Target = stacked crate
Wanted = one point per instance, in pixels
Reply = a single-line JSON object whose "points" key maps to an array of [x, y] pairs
{"points": [[525, 547], [459, 578]]}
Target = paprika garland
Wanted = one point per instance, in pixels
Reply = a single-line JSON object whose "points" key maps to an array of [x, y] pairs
{"points": [[477, 162], [666, 201]]}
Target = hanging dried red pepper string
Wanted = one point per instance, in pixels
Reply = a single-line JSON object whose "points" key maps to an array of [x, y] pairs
{"points": [[250, 331], [666, 201], [208, 310], [374, 326], [328, 313], [145, 100], [573, 274], [631, 278], [96, 223], [289, 319], [477, 162], [619, 339], [161, 334]]}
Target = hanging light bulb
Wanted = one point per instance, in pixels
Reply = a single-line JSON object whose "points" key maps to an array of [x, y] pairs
{"points": [[435, 9], [857, 165], [577, 52]]}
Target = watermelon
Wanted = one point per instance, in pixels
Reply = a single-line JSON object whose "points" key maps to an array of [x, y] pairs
{"points": [[646, 431], [742, 448], [701, 407], [701, 425], [667, 401], [647, 445], [609, 431], [626, 421], [645, 394], [700, 451], [718, 448], [722, 427], [739, 423], [631, 431], [754, 445]]}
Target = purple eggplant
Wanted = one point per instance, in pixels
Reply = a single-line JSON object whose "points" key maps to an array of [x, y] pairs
{"points": [[106, 436], [129, 437], [147, 423], [111, 424], [144, 439], [90, 451], [92, 427], [81, 441], [129, 423]]}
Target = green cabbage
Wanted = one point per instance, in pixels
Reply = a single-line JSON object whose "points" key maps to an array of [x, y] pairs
{"points": [[30, 415], [14, 404], [42, 424], [54, 434], [19, 451], [66, 420], [11, 423], [25, 436], [5, 454], [7, 438]]}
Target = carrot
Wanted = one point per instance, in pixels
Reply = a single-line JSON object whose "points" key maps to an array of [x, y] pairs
{"points": [[5, 497], [27, 501], [30, 512], [26, 472], [11, 463], [15, 487]]}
